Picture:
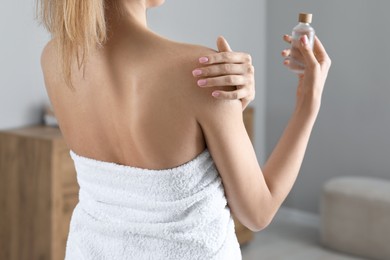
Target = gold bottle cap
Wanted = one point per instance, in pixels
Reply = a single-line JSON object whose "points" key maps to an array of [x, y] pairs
{"points": [[305, 18]]}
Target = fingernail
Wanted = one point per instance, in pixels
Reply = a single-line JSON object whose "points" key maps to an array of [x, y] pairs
{"points": [[202, 82], [197, 72], [203, 60], [215, 94], [304, 39]]}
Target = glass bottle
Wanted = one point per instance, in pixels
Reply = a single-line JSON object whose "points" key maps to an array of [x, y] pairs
{"points": [[297, 63]]}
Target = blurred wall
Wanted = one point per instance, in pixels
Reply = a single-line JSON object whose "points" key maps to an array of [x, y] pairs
{"points": [[21, 82], [201, 22], [351, 136]]}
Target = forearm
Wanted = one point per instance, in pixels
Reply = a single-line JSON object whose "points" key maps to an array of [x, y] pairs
{"points": [[283, 165]]}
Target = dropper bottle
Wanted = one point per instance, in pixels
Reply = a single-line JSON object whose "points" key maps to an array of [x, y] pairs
{"points": [[297, 63]]}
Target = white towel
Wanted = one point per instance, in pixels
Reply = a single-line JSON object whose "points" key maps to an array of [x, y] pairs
{"points": [[132, 213]]}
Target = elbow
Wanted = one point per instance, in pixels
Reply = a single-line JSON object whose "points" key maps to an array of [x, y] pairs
{"points": [[261, 224], [258, 224], [255, 224], [262, 220], [263, 217]]}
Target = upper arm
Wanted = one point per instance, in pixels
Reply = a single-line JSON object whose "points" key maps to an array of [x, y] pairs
{"points": [[232, 151]]}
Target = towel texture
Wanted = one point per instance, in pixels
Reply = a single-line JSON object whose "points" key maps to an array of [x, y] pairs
{"points": [[132, 213]]}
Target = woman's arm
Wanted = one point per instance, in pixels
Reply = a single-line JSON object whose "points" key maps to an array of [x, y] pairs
{"points": [[289, 152], [254, 195], [237, 66]]}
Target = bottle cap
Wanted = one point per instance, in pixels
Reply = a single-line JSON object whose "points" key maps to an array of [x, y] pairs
{"points": [[305, 18]]}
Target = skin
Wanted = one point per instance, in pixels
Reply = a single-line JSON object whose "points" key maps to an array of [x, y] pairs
{"points": [[158, 117], [232, 69], [228, 68]]}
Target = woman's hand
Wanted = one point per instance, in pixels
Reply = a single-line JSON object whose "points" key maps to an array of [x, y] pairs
{"points": [[228, 68], [312, 81]]}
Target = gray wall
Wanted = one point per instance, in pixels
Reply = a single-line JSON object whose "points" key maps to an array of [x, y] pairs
{"points": [[21, 83], [22, 90], [351, 136]]}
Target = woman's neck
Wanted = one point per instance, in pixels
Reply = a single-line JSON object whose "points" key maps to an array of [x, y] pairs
{"points": [[128, 34], [134, 13], [127, 18]]}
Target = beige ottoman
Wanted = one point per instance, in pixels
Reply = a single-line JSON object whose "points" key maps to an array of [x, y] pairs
{"points": [[355, 216]]}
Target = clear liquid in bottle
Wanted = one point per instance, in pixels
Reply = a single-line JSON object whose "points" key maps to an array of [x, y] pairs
{"points": [[297, 63]]}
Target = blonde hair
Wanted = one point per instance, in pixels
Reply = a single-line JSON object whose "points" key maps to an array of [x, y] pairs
{"points": [[77, 27]]}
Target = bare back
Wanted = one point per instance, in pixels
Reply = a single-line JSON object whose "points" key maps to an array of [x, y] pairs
{"points": [[134, 106], [140, 106]]}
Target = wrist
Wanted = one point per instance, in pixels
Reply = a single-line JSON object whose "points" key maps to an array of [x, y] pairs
{"points": [[308, 107]]}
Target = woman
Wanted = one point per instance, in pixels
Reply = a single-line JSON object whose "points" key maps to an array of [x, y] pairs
{"points": [[161, 162]]}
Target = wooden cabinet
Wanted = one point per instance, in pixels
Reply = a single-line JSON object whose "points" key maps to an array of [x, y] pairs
{"points": [[39, 190]]}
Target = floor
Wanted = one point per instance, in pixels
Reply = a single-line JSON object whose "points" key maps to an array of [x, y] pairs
{"points": [[292, 235]]}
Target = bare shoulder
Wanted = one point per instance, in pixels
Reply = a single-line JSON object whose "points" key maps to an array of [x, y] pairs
{"points": [[49, 62], [185, 57], [48, 55], [193, 50], [185, 61], [201, 98]]}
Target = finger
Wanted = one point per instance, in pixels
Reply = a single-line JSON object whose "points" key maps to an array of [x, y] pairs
{"points": [[287, 38], [223, 69], [297, 55], [223, 45], [295, 66], [320, 51], [230, 95], [226, 57], [307, 52], [318, 46], [286, 52], [231, 80]]}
